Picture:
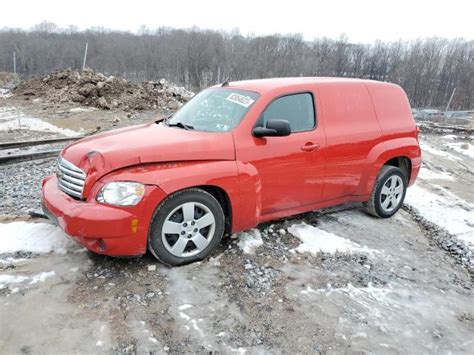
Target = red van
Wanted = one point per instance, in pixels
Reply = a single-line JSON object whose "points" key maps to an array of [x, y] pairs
{"points": [[236, 155]]}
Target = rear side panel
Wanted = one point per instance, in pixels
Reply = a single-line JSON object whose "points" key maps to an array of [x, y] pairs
{"points": [[393, 110], [352, 131], [399, 129]]}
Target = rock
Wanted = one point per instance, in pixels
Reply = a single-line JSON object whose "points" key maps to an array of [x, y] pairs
{"points": [[173, 105], [151, 267], [102, 103], [77, 98], [87, 90]]}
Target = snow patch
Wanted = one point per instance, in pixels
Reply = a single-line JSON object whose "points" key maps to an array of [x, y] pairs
{"points": [[463, 148], [42, 277], [4, 93], [35, 124], [427, 174], [441, 153], [19, 279], [11, 261], [450, 136], [315, 240], [374, 293], [184, 316], [82, 109], [11, 280], [450, 213], [249, 241], [184, 307], [12, 118], [194, 323], [238, 350], [32, 237]]}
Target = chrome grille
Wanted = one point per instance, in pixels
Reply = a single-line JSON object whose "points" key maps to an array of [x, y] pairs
{"points": [[70, 178]]}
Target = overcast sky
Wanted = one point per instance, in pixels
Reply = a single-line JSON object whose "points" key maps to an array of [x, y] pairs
{"points": [[361, 20]]}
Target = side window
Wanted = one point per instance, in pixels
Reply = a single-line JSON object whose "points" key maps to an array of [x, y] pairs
{"points": [[297, 109]]}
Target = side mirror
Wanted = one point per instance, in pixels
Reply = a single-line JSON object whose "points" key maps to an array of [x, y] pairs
{"points": [[274, 128]]}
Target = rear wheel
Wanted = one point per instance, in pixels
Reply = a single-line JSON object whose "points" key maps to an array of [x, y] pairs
{"points": [[186, 227], [388, 193]]}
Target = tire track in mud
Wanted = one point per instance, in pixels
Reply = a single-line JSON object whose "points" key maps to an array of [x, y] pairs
{"points": [[452, 246]]}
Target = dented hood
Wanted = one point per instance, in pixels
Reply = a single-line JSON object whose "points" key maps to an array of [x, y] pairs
{"points": [[147, 143]]}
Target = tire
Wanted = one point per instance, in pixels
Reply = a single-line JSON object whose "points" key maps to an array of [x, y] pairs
{"points": [[388, 193], [178, 235]]}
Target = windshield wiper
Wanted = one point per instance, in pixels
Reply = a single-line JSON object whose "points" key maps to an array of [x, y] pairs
{"points": [[181, 125]]}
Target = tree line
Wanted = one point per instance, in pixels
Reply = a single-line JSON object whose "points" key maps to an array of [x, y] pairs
{"points": [[428, 69]]}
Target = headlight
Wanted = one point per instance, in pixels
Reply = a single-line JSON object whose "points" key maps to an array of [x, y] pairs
{"points": [[121, 193]]}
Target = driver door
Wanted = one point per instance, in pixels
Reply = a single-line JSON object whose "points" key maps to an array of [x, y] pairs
{"points": [[291, 169]]}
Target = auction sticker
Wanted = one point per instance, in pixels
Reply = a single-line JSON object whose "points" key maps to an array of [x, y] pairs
{"points": [[240, 99]]}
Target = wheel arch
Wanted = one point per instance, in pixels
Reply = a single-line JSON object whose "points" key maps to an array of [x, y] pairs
{"points": [[403, 163], [223, 198], [400, 152]]}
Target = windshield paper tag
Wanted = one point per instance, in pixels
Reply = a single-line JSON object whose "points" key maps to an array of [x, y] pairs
{"points": [[240, 99]]}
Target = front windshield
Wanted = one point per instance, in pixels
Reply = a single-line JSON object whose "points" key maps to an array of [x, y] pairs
{"points": [[214, 110]]}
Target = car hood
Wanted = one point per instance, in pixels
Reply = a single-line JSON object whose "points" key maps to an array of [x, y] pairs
{"points": [[147, 143]]}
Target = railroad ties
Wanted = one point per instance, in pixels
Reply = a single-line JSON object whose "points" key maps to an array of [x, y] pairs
{"points": [[9, 157]]}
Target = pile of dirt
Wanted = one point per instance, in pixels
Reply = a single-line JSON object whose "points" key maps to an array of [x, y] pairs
{"points": [[94, 89], [7, 80]]}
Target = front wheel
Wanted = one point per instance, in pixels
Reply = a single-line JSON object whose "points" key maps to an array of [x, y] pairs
{"points": [[187, 226], [388, 193]]}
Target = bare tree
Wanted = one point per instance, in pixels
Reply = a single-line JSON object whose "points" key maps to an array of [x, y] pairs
{"points": [[428, 69]]}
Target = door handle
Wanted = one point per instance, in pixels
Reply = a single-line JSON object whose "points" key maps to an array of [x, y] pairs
{"points": [[309, 147]]}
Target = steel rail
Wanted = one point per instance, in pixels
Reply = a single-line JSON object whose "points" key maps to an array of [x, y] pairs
{"points": [[17, 158], [11, 145]]}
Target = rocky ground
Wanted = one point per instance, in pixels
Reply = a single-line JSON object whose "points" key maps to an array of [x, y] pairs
{"points": [[400, 285]]}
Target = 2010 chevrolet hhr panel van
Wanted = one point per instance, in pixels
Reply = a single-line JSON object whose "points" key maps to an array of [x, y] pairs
{"points": [[234, 156]]}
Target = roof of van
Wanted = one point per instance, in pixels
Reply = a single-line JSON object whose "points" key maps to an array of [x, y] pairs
{"points": [[265, 85]]}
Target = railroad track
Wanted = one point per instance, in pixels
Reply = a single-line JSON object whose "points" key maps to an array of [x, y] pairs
{"points": [[9, 157]]}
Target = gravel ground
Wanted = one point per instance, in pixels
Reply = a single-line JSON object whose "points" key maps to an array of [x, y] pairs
{"points": [[271, 300], [21, 185], [406, 288]]}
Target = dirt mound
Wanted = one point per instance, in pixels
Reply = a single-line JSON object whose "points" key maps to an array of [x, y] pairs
{"points": [[7, 80], [105, 92]]}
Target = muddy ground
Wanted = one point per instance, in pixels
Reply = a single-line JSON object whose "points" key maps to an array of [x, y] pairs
{"points": [[399, 289]]}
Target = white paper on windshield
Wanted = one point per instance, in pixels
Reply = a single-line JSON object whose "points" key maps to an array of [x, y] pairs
{"points": [[242, 100]]}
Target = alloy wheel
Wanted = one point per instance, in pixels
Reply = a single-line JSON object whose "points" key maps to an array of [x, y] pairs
{"points": [[188, 229], [392, 193]]}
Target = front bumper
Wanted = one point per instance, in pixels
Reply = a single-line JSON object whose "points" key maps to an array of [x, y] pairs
{"points": [[101, 228]]}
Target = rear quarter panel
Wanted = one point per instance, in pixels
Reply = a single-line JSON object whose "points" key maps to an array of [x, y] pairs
{"points": [[352, 131], [392, 109], [400, 138]]}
